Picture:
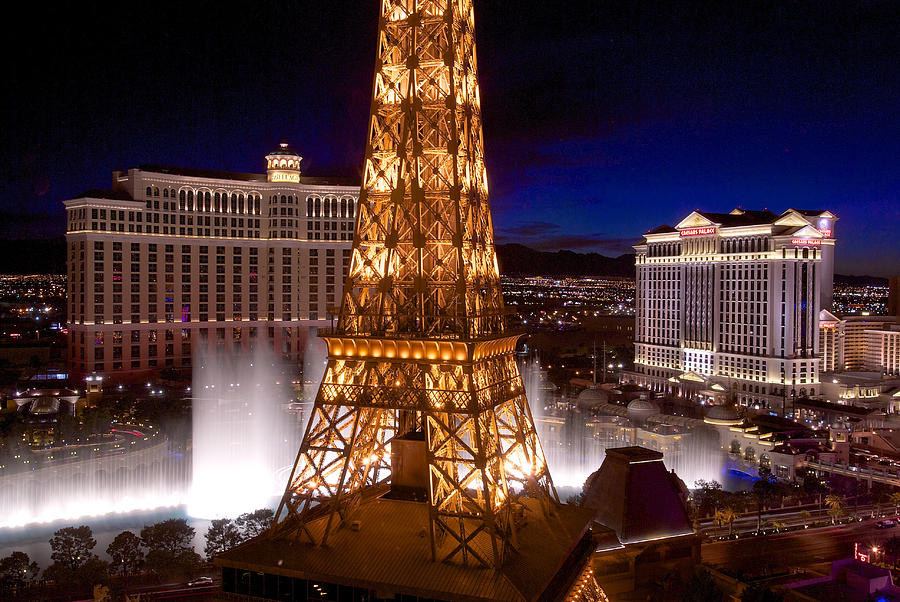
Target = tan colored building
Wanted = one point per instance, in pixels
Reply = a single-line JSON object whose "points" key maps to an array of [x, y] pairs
{"points": [[855, 338], [883, 350], [171, 261], [733, 299], [831, 341]]}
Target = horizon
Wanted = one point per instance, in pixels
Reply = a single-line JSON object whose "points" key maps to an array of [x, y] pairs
{"points": [[658, 110]]}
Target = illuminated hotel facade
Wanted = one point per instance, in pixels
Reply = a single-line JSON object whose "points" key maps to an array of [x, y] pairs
{"points": [[731, 302], [172, 261]]}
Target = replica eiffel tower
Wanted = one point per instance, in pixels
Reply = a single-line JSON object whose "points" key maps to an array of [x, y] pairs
{"points": [[421, 437]]}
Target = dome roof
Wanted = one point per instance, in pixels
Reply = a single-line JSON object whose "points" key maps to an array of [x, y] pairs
{"points": [[591, 397], [284, 150], [591, 393], [642, 404], [722, 414], [639, 410]]}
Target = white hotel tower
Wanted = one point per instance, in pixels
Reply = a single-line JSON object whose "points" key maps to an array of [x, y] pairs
{"points": [[174, 260], [730, 302]]}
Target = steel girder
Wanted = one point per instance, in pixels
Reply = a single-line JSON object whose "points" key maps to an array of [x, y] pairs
{"points": [[421, 342]]}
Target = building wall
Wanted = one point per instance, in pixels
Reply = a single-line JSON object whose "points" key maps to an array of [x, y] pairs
{"points": [[831, 346], [883, 351], [855, 338], [195, 262], [736, 305]]}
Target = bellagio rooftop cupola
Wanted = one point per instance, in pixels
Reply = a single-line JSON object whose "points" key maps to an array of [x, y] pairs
{"points": [[283, 165]]}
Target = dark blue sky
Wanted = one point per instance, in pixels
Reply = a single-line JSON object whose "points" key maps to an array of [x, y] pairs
{"points": [[602, 119]]}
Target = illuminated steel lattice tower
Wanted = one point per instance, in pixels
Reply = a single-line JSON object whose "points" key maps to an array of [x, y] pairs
{"points": [[420, 346]]}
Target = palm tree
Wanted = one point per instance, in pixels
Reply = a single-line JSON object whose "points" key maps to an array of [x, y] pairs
{"points": [[895, 500], [835, 505], [718, 521], [729, 515]]}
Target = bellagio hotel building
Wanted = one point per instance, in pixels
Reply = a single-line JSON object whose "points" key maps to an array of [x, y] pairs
{"points": [[173, 261], [728, 305]]}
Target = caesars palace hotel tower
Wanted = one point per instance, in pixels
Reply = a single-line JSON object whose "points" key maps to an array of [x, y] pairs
{"points": [[172, 261], [730, 302]]}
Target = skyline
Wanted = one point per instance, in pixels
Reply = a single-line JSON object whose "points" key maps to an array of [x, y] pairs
{"points": [[666, 109]]}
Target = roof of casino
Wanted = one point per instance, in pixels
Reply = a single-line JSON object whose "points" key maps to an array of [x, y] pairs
{"points": [[744, 218], [101, 193], [216, 174], [752, 217], [390, 551]]}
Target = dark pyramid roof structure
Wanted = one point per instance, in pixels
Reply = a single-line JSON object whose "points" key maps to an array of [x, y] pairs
{"points": [[635, 495]]}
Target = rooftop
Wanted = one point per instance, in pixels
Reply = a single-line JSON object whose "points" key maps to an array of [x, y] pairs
{"points": [[390, 552], [744, 218], [215, 174], [755, 217], [636, 496], [284, 150], [101, 193]]}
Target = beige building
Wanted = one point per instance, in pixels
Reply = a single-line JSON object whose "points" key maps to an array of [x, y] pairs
{"points": [[173, 261], [831, 341], [883, 350], [855, 338], [732, 300]]}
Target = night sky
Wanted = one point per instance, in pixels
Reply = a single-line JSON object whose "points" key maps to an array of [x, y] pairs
{"points": [[602, 119]]}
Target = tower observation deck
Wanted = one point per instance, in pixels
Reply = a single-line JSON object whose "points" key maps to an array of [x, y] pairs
{"points": [[421, 472]]}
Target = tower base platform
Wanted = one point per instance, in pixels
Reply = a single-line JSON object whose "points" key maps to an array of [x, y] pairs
{"points": [[383, 553]]}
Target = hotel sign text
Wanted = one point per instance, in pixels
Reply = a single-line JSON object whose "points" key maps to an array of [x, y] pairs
{"points": [[698, 231], [806, 241], [279, 176]]}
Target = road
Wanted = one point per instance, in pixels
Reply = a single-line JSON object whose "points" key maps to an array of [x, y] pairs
{"points": [[174, 591], [792, 518], [813, 549], [178, 591]]}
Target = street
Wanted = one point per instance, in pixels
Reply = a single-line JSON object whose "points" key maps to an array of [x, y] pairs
{"points": [[791, 518], [813, 549]]}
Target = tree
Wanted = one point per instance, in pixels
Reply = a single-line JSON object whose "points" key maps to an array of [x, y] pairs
{"points": [[718, 521], [879, 494], [760, 593], [17, 570], [174, 536], [835, 505], [707, 496], [126, 554], [71, 546], [812, 485], [729, 516], [91, 572], [702, 588], [892, 548], [763, 488], [253, 524], [170, 546], [222, 535], [895, 500], [94, 572]]}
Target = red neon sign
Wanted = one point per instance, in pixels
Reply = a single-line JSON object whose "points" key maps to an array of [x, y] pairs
{"points": [[826, 232], [698, 231], [806, 241]]}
